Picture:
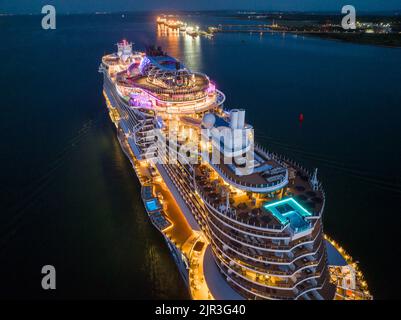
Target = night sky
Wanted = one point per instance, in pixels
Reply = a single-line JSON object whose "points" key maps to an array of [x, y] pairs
{"points": [[34, 6]]}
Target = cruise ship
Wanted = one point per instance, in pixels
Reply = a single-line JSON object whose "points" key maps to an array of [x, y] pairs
{"points": [[241, 222]]}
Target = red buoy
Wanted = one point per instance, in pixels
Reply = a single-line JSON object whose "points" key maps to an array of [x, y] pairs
{"points": [[301, 117]]}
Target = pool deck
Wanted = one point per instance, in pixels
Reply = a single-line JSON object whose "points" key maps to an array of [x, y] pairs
{"points": [[289, 211]]}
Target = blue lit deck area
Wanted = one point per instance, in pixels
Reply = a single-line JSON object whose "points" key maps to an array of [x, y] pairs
{"points": [[147, 192], [289, 211], [152, 205], [159, 220], [164, 62]]}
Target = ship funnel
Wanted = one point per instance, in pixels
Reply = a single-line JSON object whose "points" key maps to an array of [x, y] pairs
{"points": [[314, 181], [241, 119], [234, 114]]}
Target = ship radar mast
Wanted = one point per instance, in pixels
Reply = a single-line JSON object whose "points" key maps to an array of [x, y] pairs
{"points": [[314, 181]]}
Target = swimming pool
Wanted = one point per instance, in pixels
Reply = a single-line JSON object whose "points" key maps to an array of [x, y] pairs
{"points": [[290, 211], [152, 205]]}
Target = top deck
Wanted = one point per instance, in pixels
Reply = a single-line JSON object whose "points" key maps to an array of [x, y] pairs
{"points": [[201, 84], [254, 211], [165, 62], [265, 172]]}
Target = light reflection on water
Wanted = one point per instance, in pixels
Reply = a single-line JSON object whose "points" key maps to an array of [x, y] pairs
{"points": [[182, 46]]}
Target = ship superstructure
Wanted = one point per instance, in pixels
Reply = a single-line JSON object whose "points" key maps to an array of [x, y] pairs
{"points": [[241, 222]]}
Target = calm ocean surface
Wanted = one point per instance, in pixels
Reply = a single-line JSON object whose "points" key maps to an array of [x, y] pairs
{"points": [[69, 197]]}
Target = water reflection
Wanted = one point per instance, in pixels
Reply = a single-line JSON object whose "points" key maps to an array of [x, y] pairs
{"points": [[193, 52], [181, 45]]}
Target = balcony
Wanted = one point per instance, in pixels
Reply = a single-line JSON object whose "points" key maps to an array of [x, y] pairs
{"points": [[299, 270], [263, 244], [269, 281], [245, 252]]}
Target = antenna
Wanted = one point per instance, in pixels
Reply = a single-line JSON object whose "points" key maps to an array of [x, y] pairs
{"points": [[314, 181]]}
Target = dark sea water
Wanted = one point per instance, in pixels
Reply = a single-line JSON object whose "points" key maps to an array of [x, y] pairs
{"points": [[69, 197]]}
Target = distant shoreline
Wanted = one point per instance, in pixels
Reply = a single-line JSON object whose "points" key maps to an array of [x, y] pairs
{"points": [[388, 41], [328, 26]]}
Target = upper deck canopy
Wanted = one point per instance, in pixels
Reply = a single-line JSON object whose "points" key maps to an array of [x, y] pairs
{"points": [[165, 62], [167, 72]]}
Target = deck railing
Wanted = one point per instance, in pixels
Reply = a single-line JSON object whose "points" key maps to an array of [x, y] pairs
{"points": [[284, 161], [267, 187], [233, 217]]}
